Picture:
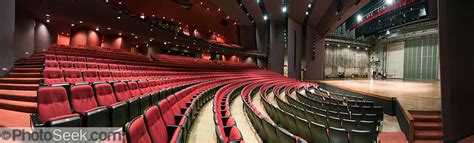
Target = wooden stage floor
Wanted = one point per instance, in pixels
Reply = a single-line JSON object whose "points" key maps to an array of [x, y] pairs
{"points": [[412, 95]]}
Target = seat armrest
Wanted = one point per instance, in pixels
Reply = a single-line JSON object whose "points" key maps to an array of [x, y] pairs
{"points": [[178, 118], [227, 129], [183, 110], [188, 104], [118, 105], [35, 120], [170, 129]]}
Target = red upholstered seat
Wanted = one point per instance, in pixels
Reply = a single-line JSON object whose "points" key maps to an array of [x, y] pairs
{"points": [[92, 66], [53, 76], [80, 65], [117, 75], [90, 76], [136, 131], [122, 93], [114, 67], [103, 67], [81, 59], [123, 67], [72, 58], [105, 97], [144, 89], [168, 115], [127, 75], [157, 128], [73, 75], [51, 64], [50, 57], [53, 105], [99, 60], [133, 86], [105, 76], [90, 60], [61, 57], [84, 102], [66, 65]]}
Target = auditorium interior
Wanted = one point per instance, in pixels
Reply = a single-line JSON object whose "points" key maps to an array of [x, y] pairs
{"points": [[258, 71]]}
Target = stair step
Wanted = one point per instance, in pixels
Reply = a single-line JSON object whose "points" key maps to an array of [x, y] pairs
{"points": [[28, 63], [22, 106], [19, 95], [433, 126], [20, 80], [28, 66], [428, 141], [428, 135], [427, 117], [26, 70], [10, 86], [25, 75], [11, 118]]}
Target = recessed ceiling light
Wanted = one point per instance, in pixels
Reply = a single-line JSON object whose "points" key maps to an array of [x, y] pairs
{"points": [[118, 17], [388, 2], [283, 9], [219, 9], [359, 18], [136, 37], [142, 16], [309, 5], [348, 46], [108, 28], [81, 22], [73, 25], [47, 15], [47, 20], [132, 34], [120, 34], [97, 29], [307, 13], [265, 17], [339, 45]]}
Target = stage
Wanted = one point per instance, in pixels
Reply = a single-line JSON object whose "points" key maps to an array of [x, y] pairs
{"points": [[412, 94]]}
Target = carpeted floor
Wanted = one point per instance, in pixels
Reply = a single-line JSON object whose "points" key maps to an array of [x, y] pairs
{"points": [[18, 91]]}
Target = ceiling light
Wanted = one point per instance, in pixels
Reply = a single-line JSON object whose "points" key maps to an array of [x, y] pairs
{"points": [[307, 13], [81, 22], [201, 3], [265, 17], [47, 21], [47, 15], [118, 17], [120, 34], [339, 45], [366, 49], [283, 9], [388, 2], [327, 44], [164, 43], [258, 1], [358, 48], [132, 34], [108, 28], [97, 29], [348, 46], [388, 32], [219, 9], [309, 5], [359, 18], [136, 37], [142, 16], [73, 25]]}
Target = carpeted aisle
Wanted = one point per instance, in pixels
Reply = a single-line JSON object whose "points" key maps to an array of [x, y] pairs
{"points": [[203, 130], [18, 91]]}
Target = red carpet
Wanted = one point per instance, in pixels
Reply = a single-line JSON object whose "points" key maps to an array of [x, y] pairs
{"points": [[428, 127], [18, 91], [392, 137]]}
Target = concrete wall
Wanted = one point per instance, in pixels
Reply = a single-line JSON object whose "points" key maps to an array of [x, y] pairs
{"points": [[24, 34], [7, 29], [277, 48], [44, 37], [295, 39], [315, 68]]}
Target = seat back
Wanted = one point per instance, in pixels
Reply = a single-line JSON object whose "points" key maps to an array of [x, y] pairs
{"points": [[114, 67], [105, 76], [318, 133], [61, 58], [52, 102], [144, 89], [82, 98], [92, 66], [104, 94], [80, 65], [136, 131], [50, 57], [73, 75], [155, 125], [72, 58], [133, 86], [103, 67], [361, 136], [51, 64], [121, 91], [90, 76], [53, 76], [81, 59], [117, 75], [338, 135]]}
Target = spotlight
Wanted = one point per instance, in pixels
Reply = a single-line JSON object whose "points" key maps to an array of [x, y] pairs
{"points": [[283, 9], [307, 13], [338, 45], [388, 2], [309, 5], [81, 22], [118, 17], [97, 29], [108, 28], [136, 37], [47, 15], [47, 20], [72, 25], [265, 17], [120, 34], [359, 18]]}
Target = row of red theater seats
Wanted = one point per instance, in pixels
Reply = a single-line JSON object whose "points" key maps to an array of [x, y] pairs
{"points": [[96, 53], [49, 57], [71, 76], [170, 120], [226, 128], [101, 104]]}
